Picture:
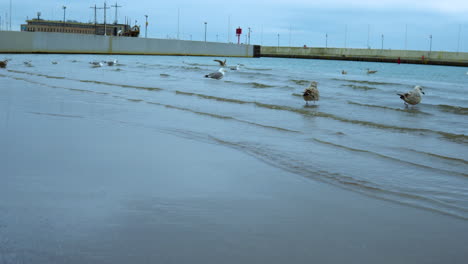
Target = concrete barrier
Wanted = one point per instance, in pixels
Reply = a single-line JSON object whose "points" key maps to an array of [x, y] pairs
{"points": [[377, 55], [45, 42]]}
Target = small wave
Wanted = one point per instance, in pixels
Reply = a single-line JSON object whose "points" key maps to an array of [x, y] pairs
{"points": [[300, 82], [366, 82], [134, 100], [191, 68], [260, 85], [121, 85], [258, 69], [308, 170], [387, 157], [389, 108], [56, 115], [198, 64], [458, 110], [461, 138], [438, 156], [164, 75], [359, 87], [225, 117], [252, 84]]}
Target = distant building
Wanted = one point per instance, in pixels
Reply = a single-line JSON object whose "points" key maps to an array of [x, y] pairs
{"points": [[41, 25]]}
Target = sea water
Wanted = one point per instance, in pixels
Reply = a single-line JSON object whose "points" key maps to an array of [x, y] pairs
{"points": [[360, 136]]}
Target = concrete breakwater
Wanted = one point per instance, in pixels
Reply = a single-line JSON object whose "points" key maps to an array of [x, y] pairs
{"points": [[49, 42], [45, 42], [377, 55]]}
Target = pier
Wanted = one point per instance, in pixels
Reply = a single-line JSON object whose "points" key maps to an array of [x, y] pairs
{"points": [[373, 55]]}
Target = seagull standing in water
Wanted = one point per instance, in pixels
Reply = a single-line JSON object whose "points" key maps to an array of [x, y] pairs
{"points": [[235, 68], [3, 64], [311, 93], [216, 75], [412, 97]]}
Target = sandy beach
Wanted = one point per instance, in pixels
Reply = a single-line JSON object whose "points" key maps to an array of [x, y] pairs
{"points": [[88, 180]]}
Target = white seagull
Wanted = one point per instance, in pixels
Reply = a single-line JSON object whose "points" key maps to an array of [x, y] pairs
{"points": [[216, 75], [235, 68]]}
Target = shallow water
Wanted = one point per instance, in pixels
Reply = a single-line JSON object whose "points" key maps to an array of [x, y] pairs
{"points": [[359, 136]]}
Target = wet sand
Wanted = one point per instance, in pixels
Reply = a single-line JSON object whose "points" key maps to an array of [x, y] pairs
{"points": [[86, 179]]}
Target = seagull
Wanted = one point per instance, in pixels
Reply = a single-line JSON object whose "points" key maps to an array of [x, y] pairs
{"points": [[97, 63], [28, 63], [344, 72], [235, 68], [370, 72], [311, 93], [412, 97], [4, 63], [216, 75], [221, 63], [112, 62]]}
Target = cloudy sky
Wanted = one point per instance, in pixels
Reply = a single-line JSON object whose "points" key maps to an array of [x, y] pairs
{"points": [[393, 24]]}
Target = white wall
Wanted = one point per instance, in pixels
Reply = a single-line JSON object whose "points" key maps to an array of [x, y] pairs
{"points": [[45, 42]]}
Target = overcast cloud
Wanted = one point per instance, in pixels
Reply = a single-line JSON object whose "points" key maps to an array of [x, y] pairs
{"points": [[393, 24]]}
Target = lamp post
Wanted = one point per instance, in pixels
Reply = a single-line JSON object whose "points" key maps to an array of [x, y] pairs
{"points": [[64, 8], [205, 31], [249, 36], [146, 26], [326, 40], [10, 15], [278, 40], [382, 40], [430, 44]]}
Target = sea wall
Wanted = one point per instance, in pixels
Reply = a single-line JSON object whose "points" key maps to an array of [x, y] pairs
{"points": [[378, 55], [45, 42]]}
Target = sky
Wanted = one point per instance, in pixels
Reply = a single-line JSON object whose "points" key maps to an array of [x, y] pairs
{"points": [[440, 25]]}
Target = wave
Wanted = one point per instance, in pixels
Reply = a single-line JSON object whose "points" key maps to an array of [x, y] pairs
{"points": [[56, 115], [308, 169], [359, 87], [415, 111], [460, 138], [439, 156], [388, 157], [252, 84], [458, 110], [224, 117], [258, 69], [367, 82], [301, 82]]}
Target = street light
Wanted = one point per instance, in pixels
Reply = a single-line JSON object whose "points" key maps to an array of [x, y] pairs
{"points": [[205, 31], [430, 44], [146, 26], [64, 8], [382, 40], [326, 40], [249, 36], [278, 39]]}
